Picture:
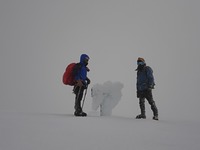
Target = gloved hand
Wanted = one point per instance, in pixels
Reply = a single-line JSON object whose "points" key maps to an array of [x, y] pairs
{"points": [[79, 83], [151, 87], [88, 81]]}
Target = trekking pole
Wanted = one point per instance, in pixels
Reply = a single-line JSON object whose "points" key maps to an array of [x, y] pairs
{"points": [[84, 96]]}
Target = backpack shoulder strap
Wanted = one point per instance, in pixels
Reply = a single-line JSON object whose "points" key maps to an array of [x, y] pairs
{"points": [[76, 69]]}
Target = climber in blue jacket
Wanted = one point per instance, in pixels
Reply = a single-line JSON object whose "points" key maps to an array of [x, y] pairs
{"points": [[145, 84]]}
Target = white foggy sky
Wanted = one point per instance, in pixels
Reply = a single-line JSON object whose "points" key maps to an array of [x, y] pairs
{"points": [[39, 38]]}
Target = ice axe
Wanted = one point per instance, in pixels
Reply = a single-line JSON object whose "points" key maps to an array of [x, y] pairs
{"points": [[84, 96]]}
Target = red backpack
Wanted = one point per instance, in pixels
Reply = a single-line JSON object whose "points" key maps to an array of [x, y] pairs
{"points": [[68, 77]]}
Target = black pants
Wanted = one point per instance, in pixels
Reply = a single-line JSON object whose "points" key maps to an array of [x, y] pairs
{"points": [[78, 91], [148, 95]]}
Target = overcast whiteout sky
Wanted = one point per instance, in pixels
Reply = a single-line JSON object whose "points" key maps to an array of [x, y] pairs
{"points": [[38, 38]]}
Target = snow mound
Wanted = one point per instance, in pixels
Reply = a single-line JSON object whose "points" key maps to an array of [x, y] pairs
{"points": [[106, 96]]}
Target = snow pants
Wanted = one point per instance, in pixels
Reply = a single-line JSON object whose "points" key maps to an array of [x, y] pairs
{"points": [[148, 95], [78, 91]]}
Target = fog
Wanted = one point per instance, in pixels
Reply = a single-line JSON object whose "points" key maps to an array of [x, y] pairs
{"points": [[39, 38]]}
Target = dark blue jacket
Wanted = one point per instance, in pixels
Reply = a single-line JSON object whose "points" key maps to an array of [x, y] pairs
{"points": [[145, 79], [82, 71]]}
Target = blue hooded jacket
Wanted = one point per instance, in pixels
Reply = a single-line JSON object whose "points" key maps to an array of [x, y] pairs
{"points": [[145, 79], [82, 73]]}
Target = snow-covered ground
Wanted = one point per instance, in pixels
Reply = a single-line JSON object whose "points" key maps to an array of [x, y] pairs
{"points": [[38, 38], [46, 131]]}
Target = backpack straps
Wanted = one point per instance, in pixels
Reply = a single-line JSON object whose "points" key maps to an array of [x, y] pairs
{"points": [[76, 69]]}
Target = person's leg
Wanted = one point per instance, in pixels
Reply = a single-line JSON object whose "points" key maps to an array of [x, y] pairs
{"points": [[79, 94], [142, 108], [149, 98]]}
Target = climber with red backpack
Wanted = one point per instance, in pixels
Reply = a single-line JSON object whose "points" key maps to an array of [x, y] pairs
{"points": [[76, 75]]}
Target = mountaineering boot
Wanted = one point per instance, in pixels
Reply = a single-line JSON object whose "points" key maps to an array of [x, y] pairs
{"points": [[79, 112], [155, 117], [82, 114], [141, 116]]}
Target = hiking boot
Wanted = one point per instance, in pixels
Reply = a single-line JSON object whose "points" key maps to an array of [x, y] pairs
{"points": [[80, 113], [155, 117], [140, 116]]}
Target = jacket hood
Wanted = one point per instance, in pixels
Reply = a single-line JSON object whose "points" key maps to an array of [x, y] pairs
{"points": [[83, 57]]}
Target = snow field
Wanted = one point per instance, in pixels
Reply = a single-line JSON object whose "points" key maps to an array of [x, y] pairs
{"points": [[35, 131]]}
